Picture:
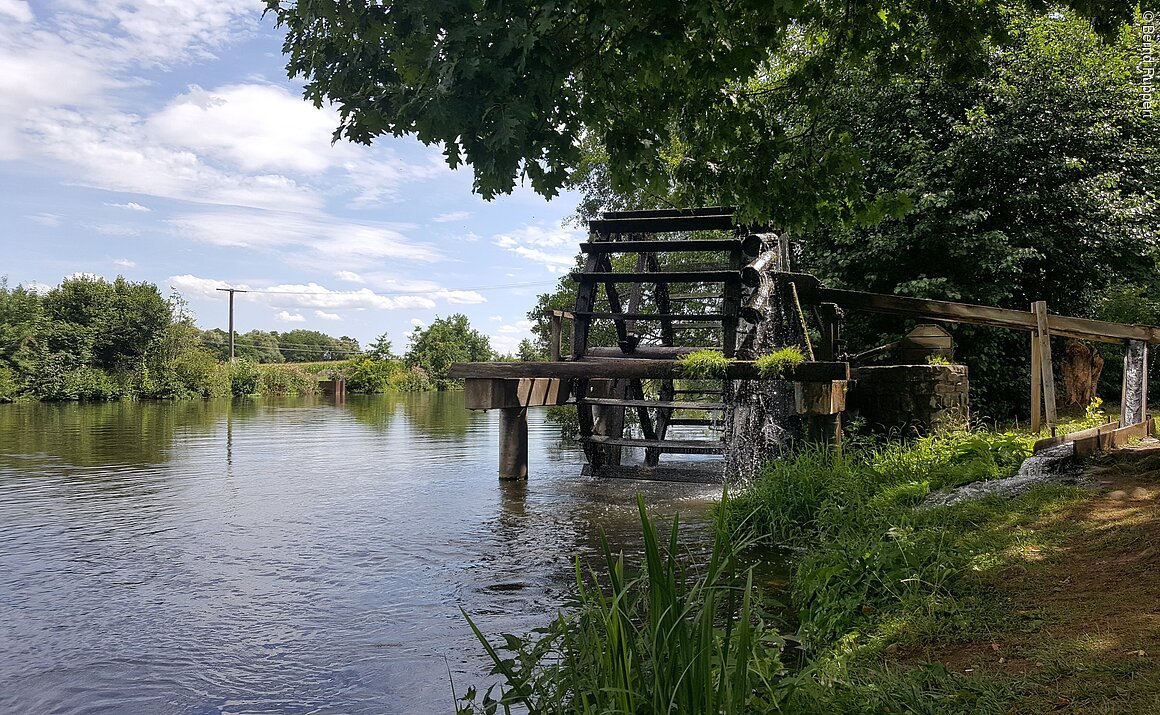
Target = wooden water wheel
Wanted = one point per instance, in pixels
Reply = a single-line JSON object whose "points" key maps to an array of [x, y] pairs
{"points": [[670, 283]]}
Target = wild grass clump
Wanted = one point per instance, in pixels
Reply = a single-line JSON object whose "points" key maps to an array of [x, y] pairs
{"points": [[663, 641], [703, 365], [868, 551], [780, 362]]}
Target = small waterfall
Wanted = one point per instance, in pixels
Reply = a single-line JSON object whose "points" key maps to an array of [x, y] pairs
{"points": [[760, 419], [1135, 394]]}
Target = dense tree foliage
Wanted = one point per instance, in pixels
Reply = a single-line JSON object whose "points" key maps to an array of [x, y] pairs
{"points": [[272, 346], [1032, 180], [1036, 183], [91, 339], [446, 341], [712, 95]]}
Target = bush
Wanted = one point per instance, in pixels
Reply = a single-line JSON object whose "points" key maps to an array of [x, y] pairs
{"points": [[9, 389], [414, 379], [60, 378], [245, 378], [368, 375], [287, 379], [194, 373]]}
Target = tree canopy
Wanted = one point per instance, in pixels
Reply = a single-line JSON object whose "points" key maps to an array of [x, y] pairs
{"points": [[671, 90], [446, 341]]}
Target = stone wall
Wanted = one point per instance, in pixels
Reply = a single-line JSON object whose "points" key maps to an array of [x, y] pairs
{"points": [[921, 396]]}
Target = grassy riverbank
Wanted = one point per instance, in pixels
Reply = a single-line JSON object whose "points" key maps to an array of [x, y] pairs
{"points": [[1043, 602]]}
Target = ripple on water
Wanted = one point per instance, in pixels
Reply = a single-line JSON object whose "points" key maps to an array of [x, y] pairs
{"points": [[281, 557]]}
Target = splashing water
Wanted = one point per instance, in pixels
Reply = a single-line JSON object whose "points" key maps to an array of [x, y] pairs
{"points": [[760, 418]]}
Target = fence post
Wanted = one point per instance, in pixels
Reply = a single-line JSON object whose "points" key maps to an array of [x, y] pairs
{"points": [[1039, 307]]}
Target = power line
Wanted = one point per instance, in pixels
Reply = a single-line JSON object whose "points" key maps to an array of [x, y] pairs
{"points": [[436, 291]]}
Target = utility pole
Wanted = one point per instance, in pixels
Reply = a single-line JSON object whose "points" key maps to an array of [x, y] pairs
{"points": [[231, 291]]}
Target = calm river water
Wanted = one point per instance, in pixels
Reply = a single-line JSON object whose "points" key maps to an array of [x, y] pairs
{"points": [[290, 556]]}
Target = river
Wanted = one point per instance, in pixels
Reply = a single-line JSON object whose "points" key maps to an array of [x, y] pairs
{"points": [[288, 556]]}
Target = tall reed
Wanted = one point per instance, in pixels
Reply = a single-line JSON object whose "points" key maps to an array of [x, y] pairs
{"points": [[665, 640]]}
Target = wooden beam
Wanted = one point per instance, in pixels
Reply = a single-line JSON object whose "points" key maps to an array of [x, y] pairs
{"points": [[662, 224], [494, 393], [677, 317], [1039, 308], [672, 213], [1061, 325], [1036, 386], [586, 278], [659, 246], [637, 368]]}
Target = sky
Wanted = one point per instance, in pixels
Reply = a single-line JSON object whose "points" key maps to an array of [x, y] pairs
{"points": [[160, 140]]}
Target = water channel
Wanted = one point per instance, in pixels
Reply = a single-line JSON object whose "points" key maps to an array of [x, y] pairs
{"points": [[292, 556]]}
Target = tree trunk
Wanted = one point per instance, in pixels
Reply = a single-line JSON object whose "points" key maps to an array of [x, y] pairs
{"points": [[1080, 369]]}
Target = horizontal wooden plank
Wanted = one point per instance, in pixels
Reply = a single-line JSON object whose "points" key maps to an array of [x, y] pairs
{"points": [[1049, 442], [667, 404], [640, 368], [658, 277], [677, 317], [494, 393], [710, 473], [1061, 325], [693, 422], [661, 224], [669, 446], [672, 213], [1129, 434], [721, 244]]}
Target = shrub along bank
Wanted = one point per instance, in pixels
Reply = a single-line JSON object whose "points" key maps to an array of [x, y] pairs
{"points": [[885, 598]]}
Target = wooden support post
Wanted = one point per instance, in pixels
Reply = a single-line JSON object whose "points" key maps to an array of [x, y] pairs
{"points": [[1134, 397], [730, 308], [607, 421], [557, 318], [1036, 385], [823, 429], [1039, 307], [513, 443]]}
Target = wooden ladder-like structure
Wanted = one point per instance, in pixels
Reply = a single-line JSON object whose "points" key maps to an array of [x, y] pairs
{"points": [[682, 287]]}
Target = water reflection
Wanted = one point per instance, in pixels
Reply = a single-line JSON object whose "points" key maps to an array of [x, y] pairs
{"points": [[291, 555]]}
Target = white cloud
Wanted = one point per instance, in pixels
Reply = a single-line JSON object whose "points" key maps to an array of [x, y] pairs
{"points": [[349, 277], [44, 219], [327, 316], [495, 317], [415, 322], [131, 206], [309, 296], [125, 263], [17, 10], [109, 229], [341, 243], [505, 339], [287, 317], [452, 216], [522, 326], [257, 128], [543, 245]]}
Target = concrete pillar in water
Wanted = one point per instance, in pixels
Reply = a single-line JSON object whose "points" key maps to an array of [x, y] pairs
{"points": [[513, 443]]}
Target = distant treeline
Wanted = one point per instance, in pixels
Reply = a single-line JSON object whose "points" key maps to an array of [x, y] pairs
{"points": [[92, 339], [273, 347]]}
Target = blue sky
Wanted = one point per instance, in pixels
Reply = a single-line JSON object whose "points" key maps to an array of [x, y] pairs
{"points": [[160, 140]]}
